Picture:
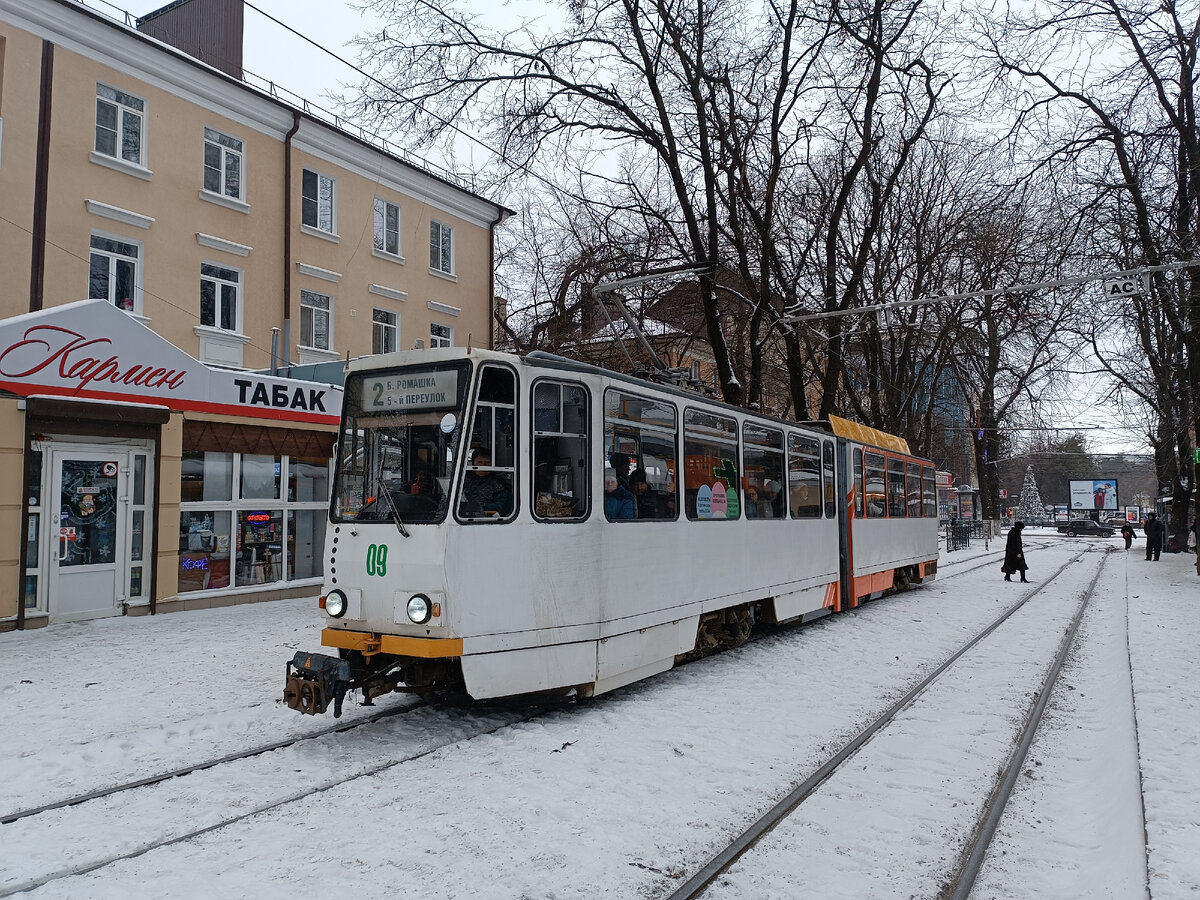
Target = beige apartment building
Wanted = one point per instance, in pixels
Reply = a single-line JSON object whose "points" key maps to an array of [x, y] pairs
{"points": [[174, 244]]}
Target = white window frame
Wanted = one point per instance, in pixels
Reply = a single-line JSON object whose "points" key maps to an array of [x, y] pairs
{"points": [[218, 282], [381, 231], [439, 340], [114, 257], [216, 138], [441, 247], [314, 311], [318, 201], [379, 329], [123, 109]]}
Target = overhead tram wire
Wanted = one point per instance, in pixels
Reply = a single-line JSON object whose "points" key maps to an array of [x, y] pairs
{"points": [[399, 96], [988, 292]]}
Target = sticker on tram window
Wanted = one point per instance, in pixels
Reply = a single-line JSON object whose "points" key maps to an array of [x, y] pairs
{"points": [[377, 560], [412, 390]]}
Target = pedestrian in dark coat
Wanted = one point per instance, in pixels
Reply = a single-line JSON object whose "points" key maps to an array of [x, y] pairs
{"points": [[1127, 533], [1154, 536], [1014, 554]]}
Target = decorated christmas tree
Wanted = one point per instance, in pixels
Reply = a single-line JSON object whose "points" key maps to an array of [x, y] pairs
{"points": [[1031, 508]]}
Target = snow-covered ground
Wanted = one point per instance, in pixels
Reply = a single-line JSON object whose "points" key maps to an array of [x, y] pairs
{"points": [[629, 794]]}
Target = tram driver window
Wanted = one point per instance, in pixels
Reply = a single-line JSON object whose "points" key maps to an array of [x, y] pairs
{"points": [[488, 491], [560, 451]]}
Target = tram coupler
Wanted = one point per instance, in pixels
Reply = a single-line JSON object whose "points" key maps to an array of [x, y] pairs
{"points": [[317, 680]]}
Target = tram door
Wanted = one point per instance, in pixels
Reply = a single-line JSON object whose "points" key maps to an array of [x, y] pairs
{"points": [[96, 543]]}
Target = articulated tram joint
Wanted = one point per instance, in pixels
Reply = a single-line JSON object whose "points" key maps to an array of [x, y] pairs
{"points": [[317, 680]]}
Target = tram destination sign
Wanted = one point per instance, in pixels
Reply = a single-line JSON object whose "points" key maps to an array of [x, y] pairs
{"points": [[411, 390]]}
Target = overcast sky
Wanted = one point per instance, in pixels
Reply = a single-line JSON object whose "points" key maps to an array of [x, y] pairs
{"points": [[272, 53]]}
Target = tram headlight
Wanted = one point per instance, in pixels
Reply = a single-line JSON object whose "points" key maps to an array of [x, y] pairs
{"points": [[335, 603], [419, 609]]}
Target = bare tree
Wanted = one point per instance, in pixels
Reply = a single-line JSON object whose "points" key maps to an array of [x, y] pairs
{"points": [[1108, 89]]}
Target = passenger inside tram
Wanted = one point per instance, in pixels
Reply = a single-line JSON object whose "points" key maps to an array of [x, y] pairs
{"points": [[485, 492], [618, 501]]}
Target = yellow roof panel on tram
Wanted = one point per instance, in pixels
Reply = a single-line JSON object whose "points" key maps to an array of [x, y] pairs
{"points": [[856, 431]]}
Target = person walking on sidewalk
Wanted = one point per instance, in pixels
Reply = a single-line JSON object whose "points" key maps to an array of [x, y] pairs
{"points": [[1154, 536], [1014, 554], [1127, 533]]}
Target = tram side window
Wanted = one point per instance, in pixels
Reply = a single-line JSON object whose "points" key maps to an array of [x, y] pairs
{"points": [[914, 490], [858, 483], [804, 476], [762, 471], [560, 452], [641, 439], [929, 492], [896, 498], [829, 480], [710, 466], [875, 496], [488, 490]]}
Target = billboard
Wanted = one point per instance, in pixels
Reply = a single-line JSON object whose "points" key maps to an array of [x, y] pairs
{"points": [[1100, 493]]}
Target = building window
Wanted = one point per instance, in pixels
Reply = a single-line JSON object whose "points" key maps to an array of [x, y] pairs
{"points": [[384, 331], [441, 247], [317, 201], [219, 297], [119, 121], [222, 164], [440, 335], [314, 320], [113, 272], [387, 227]]}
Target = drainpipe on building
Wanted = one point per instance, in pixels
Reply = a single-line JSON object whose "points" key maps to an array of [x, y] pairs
{"points": [[287, 244], [41, 182], [500, 217]]}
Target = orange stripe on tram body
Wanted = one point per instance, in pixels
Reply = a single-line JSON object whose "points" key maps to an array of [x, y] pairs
{"points": [[396, 645]]}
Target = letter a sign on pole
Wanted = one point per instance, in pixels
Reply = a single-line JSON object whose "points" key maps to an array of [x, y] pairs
{"points": [[1117, 288]]}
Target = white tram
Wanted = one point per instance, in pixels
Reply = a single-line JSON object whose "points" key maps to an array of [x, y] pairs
{"points": [[506, 525]]}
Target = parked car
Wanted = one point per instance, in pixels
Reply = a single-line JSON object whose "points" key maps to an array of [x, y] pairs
{"points": [[1077, 527]]}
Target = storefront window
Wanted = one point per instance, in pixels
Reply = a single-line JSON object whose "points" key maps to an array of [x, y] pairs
{"points": [[206, 476], [259, 546], [203, 550], [306, 543], [260, 477], [308, 479], [250, 536]]}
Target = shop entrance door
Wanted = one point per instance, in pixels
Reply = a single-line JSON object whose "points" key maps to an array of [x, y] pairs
{"points": [[97, 529]]}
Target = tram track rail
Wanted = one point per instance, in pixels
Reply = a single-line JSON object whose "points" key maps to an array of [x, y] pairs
{"points": [[188, 834], [7, 818], [17, 815], [974, 853]]}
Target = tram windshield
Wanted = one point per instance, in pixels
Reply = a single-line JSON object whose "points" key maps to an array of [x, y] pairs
{"points": [[400, 431]]}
